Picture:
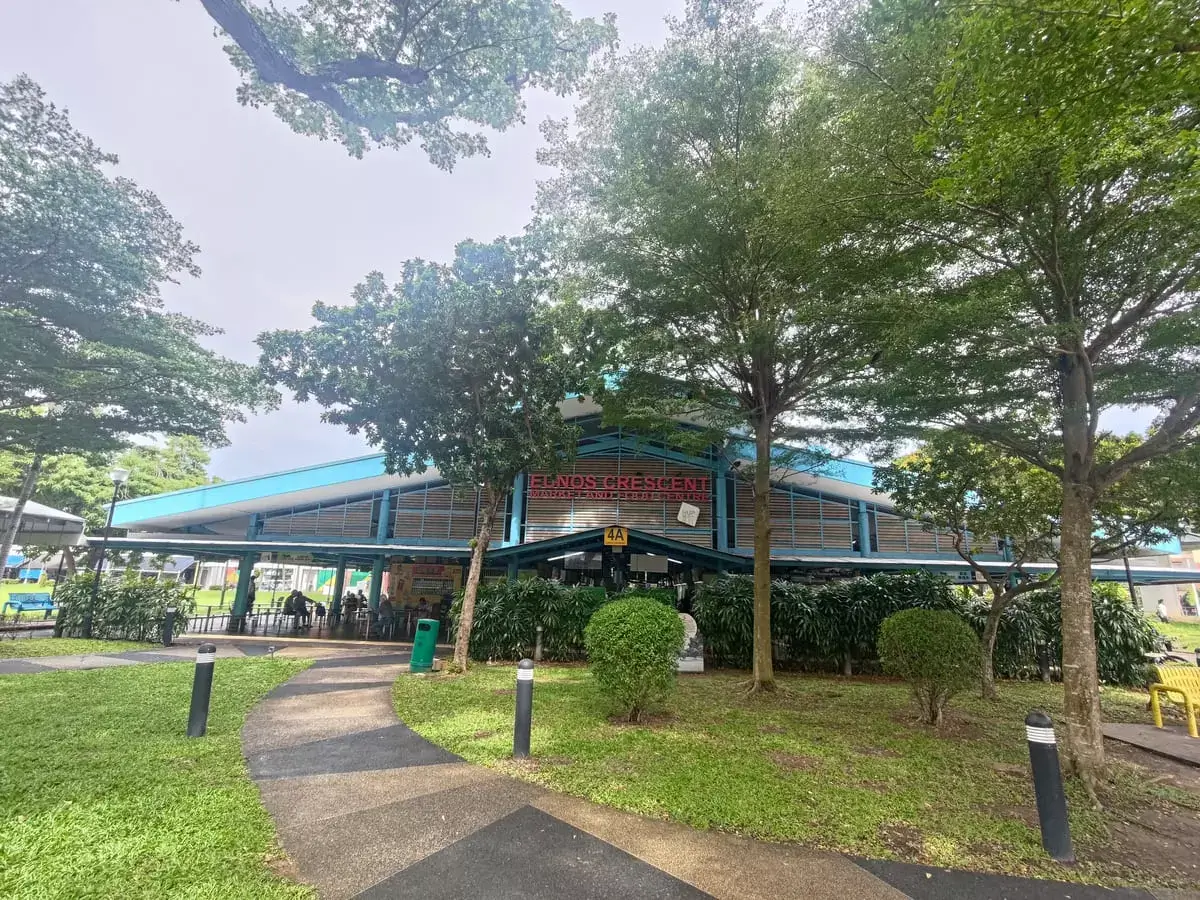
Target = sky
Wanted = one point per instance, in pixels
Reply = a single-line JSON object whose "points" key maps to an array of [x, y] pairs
{"points": [[282, 220]]}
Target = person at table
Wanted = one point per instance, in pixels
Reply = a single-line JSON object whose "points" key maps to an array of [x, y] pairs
{"points": [[422, 608], [303, 613]]}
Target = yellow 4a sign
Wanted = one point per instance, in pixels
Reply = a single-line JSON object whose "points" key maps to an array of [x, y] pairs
{"points": [[616, 536]]}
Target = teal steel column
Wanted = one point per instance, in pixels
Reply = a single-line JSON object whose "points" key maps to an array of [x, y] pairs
{"points": [[339, 588], [518, 509], [385, 514], [722, 486], [864, 529], [376, 582], [241, 598], [512, 570]]}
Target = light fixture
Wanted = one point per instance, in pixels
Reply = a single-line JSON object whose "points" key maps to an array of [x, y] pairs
{"points": [[118, 476]]}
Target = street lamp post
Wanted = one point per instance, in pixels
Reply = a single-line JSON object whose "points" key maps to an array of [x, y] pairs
{"points": [[118, 477]]}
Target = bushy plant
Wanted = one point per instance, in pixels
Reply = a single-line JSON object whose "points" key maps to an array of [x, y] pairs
{"points": [[633, 646], [935, 651], [130, 608], [1123, 634], [507, 615], [724, 614]]}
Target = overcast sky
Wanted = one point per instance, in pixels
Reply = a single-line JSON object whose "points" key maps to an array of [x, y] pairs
{"points": [[282, 220]]}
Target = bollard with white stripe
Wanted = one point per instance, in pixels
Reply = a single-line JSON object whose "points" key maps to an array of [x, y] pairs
{"points": [[168, 626], [524, 721], [1048, 786], [537, 646], [206, 658]]}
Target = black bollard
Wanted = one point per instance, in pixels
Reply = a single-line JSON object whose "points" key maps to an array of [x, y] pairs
{"points": [[537, 646], [524, 709], [1048, 786], [168, 632], [206, 657]]}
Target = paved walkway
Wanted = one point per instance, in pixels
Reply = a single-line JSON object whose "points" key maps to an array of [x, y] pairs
{"points": [[181, 651], [368, 809], [1173, 742]]}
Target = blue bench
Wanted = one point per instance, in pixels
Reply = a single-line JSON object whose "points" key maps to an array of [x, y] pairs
{"points": [[29, 603]]}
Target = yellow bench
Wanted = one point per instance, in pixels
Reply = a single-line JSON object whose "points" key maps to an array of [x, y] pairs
{"points": [[1181, 680]]}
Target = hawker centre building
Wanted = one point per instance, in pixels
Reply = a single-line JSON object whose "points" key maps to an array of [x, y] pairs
{"points": [[684, 519]]}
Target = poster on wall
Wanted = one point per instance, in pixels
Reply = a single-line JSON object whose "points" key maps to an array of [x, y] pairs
{"points": [[414, 582]]}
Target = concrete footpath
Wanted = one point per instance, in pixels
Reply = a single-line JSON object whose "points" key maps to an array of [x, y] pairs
{"points": [[368, 809]]}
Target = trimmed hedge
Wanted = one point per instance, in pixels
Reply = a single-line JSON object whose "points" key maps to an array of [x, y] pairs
{"points": [[633, 645], [824, 627], [935, 651]]}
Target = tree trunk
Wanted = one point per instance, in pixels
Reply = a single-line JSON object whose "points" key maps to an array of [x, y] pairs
{"points": [[466, 619], [764, 672], [1081, 683], [988, 645], [27, 487], [847, 665]]}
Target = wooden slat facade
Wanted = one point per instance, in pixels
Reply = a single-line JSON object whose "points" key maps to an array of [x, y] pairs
{"points": [[436, 513], [351, 520], [798, 521]]}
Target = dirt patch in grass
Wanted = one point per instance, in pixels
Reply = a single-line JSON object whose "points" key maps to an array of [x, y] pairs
{"points": [[795, 762], [906, 842], [879, 787], [772, 729], [555, 760], [1159, 769], [480, 735], [1026, 814], [504, 692], [877, 752], [1158, 840]]}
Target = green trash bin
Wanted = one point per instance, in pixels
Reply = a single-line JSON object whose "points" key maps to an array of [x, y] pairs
{"points": [[424, 644]]}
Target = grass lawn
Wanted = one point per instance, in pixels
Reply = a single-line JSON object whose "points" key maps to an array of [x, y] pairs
{"points": [[28, 647], [828, 762], [1184, 635], [102, 795]]}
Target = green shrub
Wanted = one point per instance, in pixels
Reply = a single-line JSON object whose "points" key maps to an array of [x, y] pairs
{"points": [[507, 615], [632, 648], [813, 626], [935, 651], [131, 608], [663, 595]]}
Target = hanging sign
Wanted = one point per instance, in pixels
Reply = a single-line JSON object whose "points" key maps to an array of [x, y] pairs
{"points": [[616, 536], [631, 488]]}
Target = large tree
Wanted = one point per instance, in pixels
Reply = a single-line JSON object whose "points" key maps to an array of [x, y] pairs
{"points": [[990, 502], [1050, 153], [88, 355], [456, 366], [386, 72], [728, 311]]}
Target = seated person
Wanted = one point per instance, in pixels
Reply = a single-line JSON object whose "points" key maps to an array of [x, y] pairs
{"points": [[321, 612], [303, 614]]}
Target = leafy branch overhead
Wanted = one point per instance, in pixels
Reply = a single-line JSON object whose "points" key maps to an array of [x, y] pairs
{"points": [[386, 72]]}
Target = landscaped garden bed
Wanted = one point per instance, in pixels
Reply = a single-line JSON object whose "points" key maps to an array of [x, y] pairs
{"points": [[828, 762]]}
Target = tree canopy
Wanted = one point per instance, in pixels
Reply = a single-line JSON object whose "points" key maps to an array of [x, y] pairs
{"points": [[387, 72], [1048, 156], [457, 367], [89, 356], [724, 308]]}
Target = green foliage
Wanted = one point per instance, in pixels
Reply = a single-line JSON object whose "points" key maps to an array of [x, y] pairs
{"points": [[935, 651], [80, 484], [131, 608], [454, 367], [819, 626], [413, 69], [507, 614], [633, 646], [812, 625], [1123, 635], [88, 355], [665, 596]]}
